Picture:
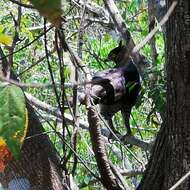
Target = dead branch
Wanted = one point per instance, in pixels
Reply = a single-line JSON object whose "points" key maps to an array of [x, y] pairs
{"points": [[152, 33], [93, 8]]}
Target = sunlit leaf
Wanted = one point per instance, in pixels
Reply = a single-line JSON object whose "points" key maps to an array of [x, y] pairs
{"points": [[1, 29], [13, 117], [5, 39], [25, 1]]}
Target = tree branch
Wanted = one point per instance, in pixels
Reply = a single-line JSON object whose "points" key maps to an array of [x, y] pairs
{"points": [[152, 33], [82, 124], [22, 4]]}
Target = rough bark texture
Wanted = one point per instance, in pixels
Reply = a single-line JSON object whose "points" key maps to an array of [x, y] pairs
{"points": [[171, 155], [154, 175], [107, 176], [38, 166]]}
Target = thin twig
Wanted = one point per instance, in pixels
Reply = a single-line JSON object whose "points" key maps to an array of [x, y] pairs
{"points": [[53, 110], [75, 90], [29, 85], [59, 48], [41, 85], [17, 23], [36, 63], [127, 174], [152, 33], [22, 4], [30, 43], [179, 182], [83, 162], [50, 68]]}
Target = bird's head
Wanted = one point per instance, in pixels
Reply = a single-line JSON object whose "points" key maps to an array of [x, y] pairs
{"points": [[118, 54]]}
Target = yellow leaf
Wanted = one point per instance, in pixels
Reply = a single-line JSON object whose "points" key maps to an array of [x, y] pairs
{"points": [[5, 39], [25, 1], [26, 126], [5, 155]]}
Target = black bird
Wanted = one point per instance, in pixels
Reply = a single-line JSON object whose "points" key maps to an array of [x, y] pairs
{"points": [[116, 89]]}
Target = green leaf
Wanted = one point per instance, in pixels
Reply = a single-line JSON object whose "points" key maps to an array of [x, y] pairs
{"points": [[1, 29], [87, 179], [13, 117]]}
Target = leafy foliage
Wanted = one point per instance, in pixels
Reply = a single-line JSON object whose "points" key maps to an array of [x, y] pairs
{"points": [[13, 120], [30, 64]]}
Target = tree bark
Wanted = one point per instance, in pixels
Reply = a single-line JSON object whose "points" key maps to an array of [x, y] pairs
{"points": [[107, 177], [170, 159], [38, 166]]}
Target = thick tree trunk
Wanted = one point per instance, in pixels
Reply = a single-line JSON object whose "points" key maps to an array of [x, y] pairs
{"points": [[38, 166], [171, 155]]}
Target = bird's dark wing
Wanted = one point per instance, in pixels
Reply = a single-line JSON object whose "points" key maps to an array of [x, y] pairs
{"points": [[108, 86]]}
